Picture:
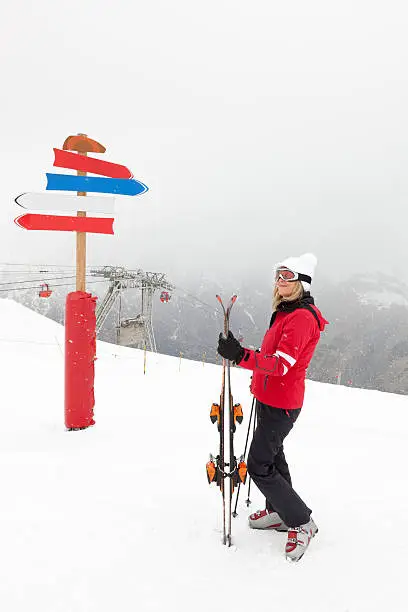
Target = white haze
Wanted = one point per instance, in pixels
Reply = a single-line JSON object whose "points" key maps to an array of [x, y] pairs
{"points": [[262, 128]]}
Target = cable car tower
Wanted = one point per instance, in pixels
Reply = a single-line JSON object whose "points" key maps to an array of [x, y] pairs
{"points": [[137, 331]]}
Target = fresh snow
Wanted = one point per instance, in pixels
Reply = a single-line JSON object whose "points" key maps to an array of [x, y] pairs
{"points": [[120, 517]]}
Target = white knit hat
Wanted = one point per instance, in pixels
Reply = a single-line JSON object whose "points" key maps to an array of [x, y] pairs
{"points": [[305, 264]]}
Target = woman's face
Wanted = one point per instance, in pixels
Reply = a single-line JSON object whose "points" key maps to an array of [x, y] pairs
{"points": [[285, 288]]}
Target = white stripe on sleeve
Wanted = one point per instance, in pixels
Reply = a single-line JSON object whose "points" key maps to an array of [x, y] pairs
{"points": [[287, 357]]}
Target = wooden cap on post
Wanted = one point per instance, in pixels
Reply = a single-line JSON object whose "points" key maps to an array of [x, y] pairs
{"points": [[82, 144]]}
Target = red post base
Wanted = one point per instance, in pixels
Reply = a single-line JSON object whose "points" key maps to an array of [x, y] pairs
{"points": [[80, 355]]}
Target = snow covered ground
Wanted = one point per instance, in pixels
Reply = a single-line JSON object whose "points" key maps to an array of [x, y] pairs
{"points": [[120, 517]]}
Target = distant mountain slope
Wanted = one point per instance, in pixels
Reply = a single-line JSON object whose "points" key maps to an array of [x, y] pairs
{"points": [[365, 345]]}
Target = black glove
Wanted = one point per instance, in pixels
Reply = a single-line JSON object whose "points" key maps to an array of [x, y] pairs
{"points": [[230, 348]]}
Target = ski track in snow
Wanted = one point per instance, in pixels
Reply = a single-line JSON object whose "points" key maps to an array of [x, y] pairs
{"points": [[120, 517]]}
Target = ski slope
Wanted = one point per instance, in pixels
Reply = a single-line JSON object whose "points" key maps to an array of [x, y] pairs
{"points": [[120, 517]]}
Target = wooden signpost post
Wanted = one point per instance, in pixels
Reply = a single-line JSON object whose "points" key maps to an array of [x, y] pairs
{"points": [[83, 145], [81, 246]]}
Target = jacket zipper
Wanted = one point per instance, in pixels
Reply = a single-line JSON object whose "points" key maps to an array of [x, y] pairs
{"points": [[266, 381]]}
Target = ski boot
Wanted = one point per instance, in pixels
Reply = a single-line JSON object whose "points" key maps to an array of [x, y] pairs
{"points": [[266, 519], [299, 539]]}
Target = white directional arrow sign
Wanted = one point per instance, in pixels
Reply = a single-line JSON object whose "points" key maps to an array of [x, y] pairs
{"points": [[66, 202]]}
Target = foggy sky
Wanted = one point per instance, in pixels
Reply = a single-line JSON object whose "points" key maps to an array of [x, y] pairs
{"points": [[263, 129]]}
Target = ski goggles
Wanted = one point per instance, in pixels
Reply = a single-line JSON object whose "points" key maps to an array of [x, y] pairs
{"points": [[289, 276]]}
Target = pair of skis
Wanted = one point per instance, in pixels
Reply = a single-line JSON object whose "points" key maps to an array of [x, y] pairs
{"points": [[224, 469]]}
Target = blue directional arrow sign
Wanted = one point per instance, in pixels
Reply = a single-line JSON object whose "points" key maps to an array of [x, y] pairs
{"points": [[94, 184]]}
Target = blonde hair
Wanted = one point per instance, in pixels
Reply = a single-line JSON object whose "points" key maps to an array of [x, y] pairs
{"points": [[295, 295]]}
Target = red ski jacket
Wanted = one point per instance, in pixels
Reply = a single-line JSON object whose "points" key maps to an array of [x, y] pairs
{"points": [[279, 368]]}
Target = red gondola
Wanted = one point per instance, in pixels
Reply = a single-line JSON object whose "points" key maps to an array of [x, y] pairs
{"points": [[165, 296], [45, 291]]}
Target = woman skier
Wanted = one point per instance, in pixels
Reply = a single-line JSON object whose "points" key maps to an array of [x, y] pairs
{"points": [[278, 384]]}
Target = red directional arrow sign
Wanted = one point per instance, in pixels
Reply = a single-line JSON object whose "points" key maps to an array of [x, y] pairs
{"points": [[95, 225], [65, 159]]}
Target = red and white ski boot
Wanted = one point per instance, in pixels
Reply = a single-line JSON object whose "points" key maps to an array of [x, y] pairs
{"points": [[299, 539], [266, 519]]}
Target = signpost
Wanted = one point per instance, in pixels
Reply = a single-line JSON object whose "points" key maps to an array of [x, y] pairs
{"points": [[80, 319]]}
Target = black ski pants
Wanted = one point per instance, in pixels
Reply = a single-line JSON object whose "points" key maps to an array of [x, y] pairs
{"points": [[268, 468]]}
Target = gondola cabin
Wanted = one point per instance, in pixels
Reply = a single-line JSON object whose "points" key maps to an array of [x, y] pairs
{"points": [[165, 296], [45, 291]]}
